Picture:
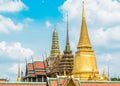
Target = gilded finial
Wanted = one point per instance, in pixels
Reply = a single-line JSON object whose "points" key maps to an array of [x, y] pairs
{"points": [[83, 11], [54, 28]]}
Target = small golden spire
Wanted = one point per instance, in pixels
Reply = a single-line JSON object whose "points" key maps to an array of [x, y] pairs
{"points": [[54, 28], [84, 41], [104, 75], [19, 78]]}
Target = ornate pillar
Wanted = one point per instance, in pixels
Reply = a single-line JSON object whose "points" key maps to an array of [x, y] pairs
{"points": [[36, 79], [30, 79], [42, 78], [27, 79]]}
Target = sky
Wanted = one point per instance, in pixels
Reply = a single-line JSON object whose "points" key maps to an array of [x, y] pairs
{"points": [[26, 30]]}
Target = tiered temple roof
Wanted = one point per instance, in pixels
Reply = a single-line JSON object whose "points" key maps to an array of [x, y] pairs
{"points": [[64, 65], [35, 71], [36, 68]]}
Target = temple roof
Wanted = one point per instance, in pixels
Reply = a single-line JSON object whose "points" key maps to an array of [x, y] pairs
{"points": [[30, 66], [39, 65], [35, 68], [63, 81]]}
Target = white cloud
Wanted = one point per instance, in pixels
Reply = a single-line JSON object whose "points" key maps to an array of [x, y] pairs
{"points": [[12, 5], [109, 37], [103, 11], [105, 57], [102, 20], [109, 59], [3, 76], [14, 68], [48, 24], [28, 20], [7, 25], [14, 50]]}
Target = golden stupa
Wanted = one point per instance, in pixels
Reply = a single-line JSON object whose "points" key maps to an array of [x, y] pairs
{"points": [[85, 65]]}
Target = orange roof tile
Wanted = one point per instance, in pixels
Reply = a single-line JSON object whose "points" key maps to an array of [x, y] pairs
{"points": [[39, 65], [30, 66], [53, 83], [62, 80]]}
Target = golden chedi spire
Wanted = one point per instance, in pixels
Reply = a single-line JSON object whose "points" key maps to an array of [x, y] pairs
{"points": [[19, 78], [84, 38], [85, 60]]}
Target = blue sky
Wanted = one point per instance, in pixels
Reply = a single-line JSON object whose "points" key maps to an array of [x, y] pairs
{"points": [[26, 30]]}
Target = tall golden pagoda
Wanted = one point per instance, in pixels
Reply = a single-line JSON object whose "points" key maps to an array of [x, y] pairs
{"points": [[85, 66], [55, 51]]}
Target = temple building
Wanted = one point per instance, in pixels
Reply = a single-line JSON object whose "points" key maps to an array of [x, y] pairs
{"points": [[55, 50], [64, 65], [35, 72], [85, 65]]}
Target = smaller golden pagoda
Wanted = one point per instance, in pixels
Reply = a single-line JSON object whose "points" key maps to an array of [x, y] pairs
{"points": [[55, 51], [19, 78], [104, 76]]}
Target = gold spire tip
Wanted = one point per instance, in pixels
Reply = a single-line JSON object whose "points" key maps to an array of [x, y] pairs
{"points": [[83, 12], [54, 27]]}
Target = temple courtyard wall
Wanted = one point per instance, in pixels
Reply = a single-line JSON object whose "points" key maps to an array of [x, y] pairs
{"points": [[93, 83]]}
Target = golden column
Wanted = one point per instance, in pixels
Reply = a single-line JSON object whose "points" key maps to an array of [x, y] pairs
{"points": [[85, 66]]}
